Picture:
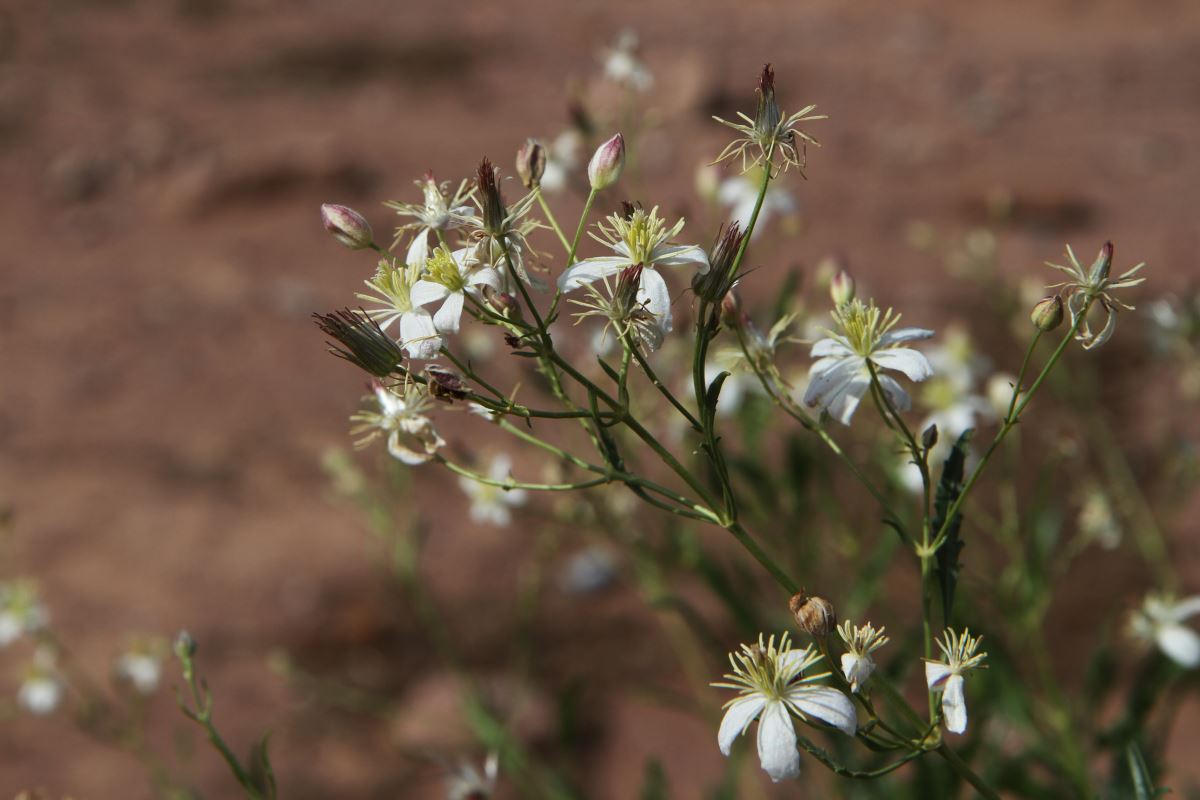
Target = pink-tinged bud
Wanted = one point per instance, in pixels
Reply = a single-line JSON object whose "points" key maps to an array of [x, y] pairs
{"points": [[605, 167], [732, 315], [1102, 264], [531, 163], [347, 226], [1048, 313], [841, 288]]}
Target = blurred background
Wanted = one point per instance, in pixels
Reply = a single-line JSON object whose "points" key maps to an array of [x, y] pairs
{"points": [[166, 403]]}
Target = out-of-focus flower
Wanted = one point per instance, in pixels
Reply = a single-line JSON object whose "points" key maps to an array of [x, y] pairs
{"points": [[390, 299], [41, 689], [1097, 520], [465, 782], [493, 504], [865, 335], [639, 239], [565, 155], [588, 571], [142, 664], [771, 685], [622, 65], [999, 392], [451, 276], [400, 417], [1160, 622], [770, 135], [1088, 285], [439, 211], [21, 611], [742, 382], [861, 642], [347, 226], [740, 194], [961, 655]]}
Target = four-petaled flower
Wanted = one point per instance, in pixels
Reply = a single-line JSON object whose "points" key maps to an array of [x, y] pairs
{"points": [[440, 211], [861, 641], [410, 434], [772, 687], [1160, 620], [391, 299], [491, 503], [1089, 285], [842, 375], [961, 656], [451, 276], [638, 239]]}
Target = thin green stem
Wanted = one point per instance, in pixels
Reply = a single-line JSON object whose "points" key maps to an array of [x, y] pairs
{"points": [[509, 483], [964, 771], [550, 218]]}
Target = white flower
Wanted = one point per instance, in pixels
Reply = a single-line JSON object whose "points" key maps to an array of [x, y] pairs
{"points": [[639, 239], [563, 156], [440, 211], [451, 277], [493, 504], [1160, 620], [622, 66], [624, 308], [1093, 285], [838, 381], [141, 665], [857, 664], [740, 193], [410, 434], [21, 611], [41, 690], [947, 676], [391, 292], [468, 783], [769, 681]]}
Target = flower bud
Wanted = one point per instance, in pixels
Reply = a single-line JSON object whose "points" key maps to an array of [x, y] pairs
{"points": [[813, 614], [732, 315], [503, 303], [715, 283], [491, 202], [531, 163], [768, 117], [1102, 264], [347, 226], [445, 384], [1048, 313], [605, 167], [841, 288], [929, 437], [185, 646]]}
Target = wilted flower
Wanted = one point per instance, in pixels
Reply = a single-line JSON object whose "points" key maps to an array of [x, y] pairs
{"points": [[41, 688], [769, 134], [141, 665], [498, 228], [639, 239], [961, 656], [814, 615], [771, 686], [400, 416], [391, 300], [465, 782], [841, 376], [531, 163], [451, 276], [623, 67], [626, 307], [20, 610], [861, 642], [440, 211], [1088, 285], [493, 504], [347, 226], [607, 163], [1160, 621]]}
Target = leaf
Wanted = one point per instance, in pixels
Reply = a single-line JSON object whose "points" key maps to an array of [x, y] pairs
{"points": [[654, 782], [714, 393], [948, 490], [1139, 774]]}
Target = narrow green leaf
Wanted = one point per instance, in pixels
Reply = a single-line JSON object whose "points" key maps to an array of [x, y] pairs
{"points": [[948, 490]]}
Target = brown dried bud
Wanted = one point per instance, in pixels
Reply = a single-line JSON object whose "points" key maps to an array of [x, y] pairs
{"points": [[489, 199], [364, 343], [769, 116], [1048, 313], [813, 614], [446, 384], [929, 437], [531, 163]]}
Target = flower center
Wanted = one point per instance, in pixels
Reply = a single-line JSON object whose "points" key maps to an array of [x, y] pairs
{"points": [[864, 325], [443, 269]]}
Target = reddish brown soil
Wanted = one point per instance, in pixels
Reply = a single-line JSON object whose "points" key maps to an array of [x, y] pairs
{"points": [[165, 400]]}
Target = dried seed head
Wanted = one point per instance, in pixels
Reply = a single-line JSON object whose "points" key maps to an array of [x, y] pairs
{"points": [[446, 384], [364, 343], [714, 284], [605, 167], [814, 615], [489, 199], [1048, 313], [769, 116], [347, 226], [531, 163]]}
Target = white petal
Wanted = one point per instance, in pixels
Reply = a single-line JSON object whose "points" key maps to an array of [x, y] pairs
{"points": [[654, 293], [1188, 607], [588, 270], [403, 453], [419, 336], [830, 347], [738, 716], [500, 468], [954, 705], [418, 250], [844, 402], [1180, 644], [936, 674], [912, 363], [672, 255], [485, 277], [826, 377], [447, 317], [425, 292], [826, 704], [904, 335], [895, 392], [777, 743]]}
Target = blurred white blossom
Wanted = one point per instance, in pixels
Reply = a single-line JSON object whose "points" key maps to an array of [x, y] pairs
{"points": [[1160, 622]]}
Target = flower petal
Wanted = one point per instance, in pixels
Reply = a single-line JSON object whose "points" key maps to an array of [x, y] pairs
{"points": [[826, 704], [954, 705], [1187, 607], [904, 335], [738, 716], [1179, 643], [912, 363], [425, 292], [844, 402], [936, 674], [830, 347], [419, 336], [447, 317], [654, 293], [827, 376], [418, 250], [485, 277], [673, 255], [589, 270], [777, 743], [895, 393]]}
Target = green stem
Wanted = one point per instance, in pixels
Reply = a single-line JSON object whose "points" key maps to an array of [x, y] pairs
{"points": [[550, 218], [966, 772], [508, 483]]}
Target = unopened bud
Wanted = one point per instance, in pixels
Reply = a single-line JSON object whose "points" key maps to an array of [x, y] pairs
{"points": [[769, 116], [185, 646], [841, 288], [929, 437], [531, 163], [445, 384], [502, 303], [605, 167], [1048, 313], [714, 284], [813, 614], [491, 202], [1102, 264], [347, 226], [732, 315]]}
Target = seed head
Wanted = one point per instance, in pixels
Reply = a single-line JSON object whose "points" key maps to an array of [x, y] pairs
{"points": [[814, 615], [364, 344], [716, 283], [492, 204]]}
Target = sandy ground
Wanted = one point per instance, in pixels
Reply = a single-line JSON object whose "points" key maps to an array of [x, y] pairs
{"points": [[164, 400]]}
